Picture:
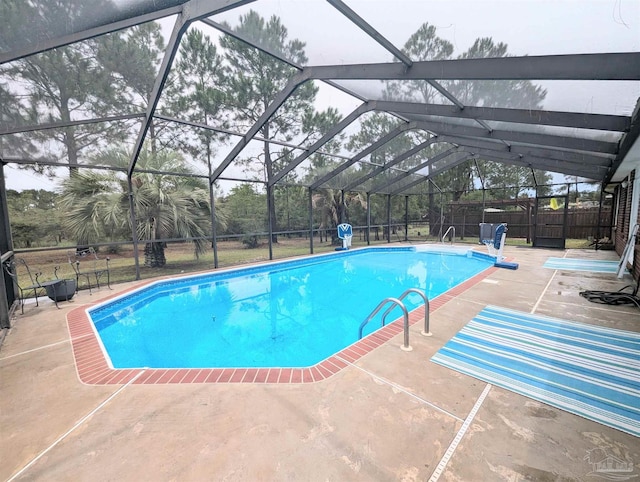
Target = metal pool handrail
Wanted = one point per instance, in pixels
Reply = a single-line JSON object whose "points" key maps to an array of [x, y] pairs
{"points": [[424, 332], [398, 302], [405, 314], [450, 228]]}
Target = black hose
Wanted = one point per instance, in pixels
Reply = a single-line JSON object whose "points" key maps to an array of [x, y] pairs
{"points": [[613, 297]]}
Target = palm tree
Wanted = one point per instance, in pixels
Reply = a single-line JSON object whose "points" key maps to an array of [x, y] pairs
{"points": [[333, 210], [166, 206]]}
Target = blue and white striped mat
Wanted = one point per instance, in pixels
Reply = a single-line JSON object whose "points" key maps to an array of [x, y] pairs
{"points": [[575, 264], [586, 370]]}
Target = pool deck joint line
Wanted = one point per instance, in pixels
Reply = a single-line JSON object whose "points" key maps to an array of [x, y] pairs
{"points": [[43, 347], [93, 369], [458, 438], [407, 392], [68, 432]]}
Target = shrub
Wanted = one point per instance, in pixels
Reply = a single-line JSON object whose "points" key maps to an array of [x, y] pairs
{"points": [[250, 241]]}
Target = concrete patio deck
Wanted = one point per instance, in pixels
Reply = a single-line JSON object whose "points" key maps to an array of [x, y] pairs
{"points": [[391, 415]]}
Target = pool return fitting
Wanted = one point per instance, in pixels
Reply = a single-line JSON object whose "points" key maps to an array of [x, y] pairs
{"points": [[405, 314]]}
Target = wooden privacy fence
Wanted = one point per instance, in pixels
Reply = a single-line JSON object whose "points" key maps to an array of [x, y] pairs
{"points": [[581, 223]]}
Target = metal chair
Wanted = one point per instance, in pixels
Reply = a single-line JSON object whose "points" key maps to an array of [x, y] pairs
{"points": [[18, 266], [87, 264]]}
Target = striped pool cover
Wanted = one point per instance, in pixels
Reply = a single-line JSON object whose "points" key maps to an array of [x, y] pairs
{"points": [[575, 264], [586, 370]]}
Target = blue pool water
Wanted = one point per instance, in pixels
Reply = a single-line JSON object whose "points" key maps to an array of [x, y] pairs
{"points": [[287, 314]]}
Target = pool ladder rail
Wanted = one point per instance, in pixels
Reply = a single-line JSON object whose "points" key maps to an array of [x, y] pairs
{"points": [[450, 228], [405, 314]]}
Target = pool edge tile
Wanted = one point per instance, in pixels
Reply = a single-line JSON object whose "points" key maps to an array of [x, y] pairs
{"points": [[285, 375], [274, 375], [202, 376], [296, 375]]}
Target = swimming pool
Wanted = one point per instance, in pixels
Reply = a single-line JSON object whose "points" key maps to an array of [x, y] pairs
{"points": [[284, 314]]}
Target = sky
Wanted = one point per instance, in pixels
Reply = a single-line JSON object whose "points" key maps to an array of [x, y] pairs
{"points": [[529, 27]]}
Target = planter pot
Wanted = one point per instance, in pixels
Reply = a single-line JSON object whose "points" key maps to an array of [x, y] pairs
{"points": [[61, 290]]}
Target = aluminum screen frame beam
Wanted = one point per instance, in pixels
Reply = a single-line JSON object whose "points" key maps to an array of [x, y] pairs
{"points": [[556, 154], [228, 31], [276, 142], [448, 165], [197, 7], [362, 154], [391, 163], [422, 165], [370, 31], [330, 134], [191, 11], [564, 156], [179, 28], [566, 167], [274, 54], [566, 119], [61, 124], [550, 163], [396, 52], [280, 99], [444, 167], [55, 163], [603, 122], [87, 34], [527, 162], [609, 66], [542, 140], [626, 143]]}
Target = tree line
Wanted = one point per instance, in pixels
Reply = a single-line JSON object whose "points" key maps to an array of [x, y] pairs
{"points": [[223, 83]]}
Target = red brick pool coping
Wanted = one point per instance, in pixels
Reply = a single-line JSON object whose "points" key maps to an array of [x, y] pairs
{"points": [[93, 369]]}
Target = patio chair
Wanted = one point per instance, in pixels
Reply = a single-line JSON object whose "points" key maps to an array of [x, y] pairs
{"points": [[87, 264], [18, 269]]}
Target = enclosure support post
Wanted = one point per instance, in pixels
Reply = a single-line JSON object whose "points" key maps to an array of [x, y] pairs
{"points": [[566, 214], [430, 203], [368, 219], [134, 228], [602, 186], [464, 223], [482, 185], [529, 228], [441, 216], [269, 207], [388, 218], [310, 221], [214, 241], [453, 223], [406, 218], [7, 289]]}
